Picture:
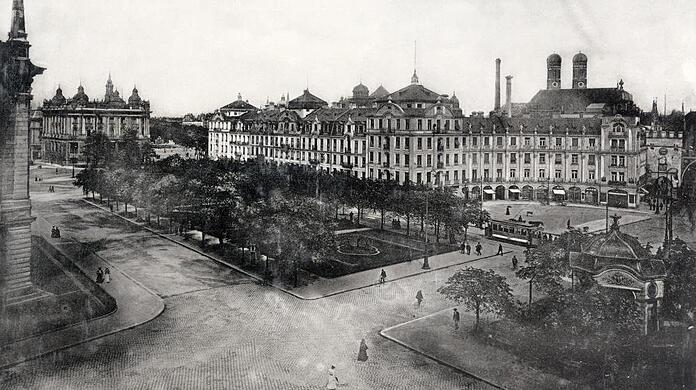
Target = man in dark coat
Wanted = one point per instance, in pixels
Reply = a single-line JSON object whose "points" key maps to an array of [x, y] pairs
{"points": [[362, 353], [455, 318]]}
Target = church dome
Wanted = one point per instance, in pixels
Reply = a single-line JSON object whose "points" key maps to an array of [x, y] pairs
{"points": [[554, 59], [579, 58], [58, 99], [360, 91]]}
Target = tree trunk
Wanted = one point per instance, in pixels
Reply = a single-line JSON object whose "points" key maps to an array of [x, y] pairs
{"points": [[381, 224], [408, 224], [158, 220], [101, 199], [466, 231], [295, 283], [437, 232], [126, 204], [530, 292], [478, 311], [202, 237], [422, 223]]}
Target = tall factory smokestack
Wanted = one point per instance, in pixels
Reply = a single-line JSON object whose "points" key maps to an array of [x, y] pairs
{"points": [[508, 95], [497, 84]]}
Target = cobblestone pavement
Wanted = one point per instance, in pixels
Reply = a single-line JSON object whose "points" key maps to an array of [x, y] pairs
{"points": [[219, 332]]}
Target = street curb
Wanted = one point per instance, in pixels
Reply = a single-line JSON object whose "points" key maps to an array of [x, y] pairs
{"points": [[251, 275], [158, 312], [431, 357]]}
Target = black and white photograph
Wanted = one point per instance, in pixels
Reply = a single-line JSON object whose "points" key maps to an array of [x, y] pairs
{"points": [[367, 195]]}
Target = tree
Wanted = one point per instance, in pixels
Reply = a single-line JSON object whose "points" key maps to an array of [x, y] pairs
{"points": [[548, 263], [98, 150], [130, 154], [478, 290], [680, 283]]}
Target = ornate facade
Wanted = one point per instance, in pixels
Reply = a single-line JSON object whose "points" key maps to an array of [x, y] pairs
{"points": [[15, 206], [68, 122], [589, 154]]}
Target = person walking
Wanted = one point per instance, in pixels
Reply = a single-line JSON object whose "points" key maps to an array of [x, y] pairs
{"points": [[500, 250], [455, 318], [514, 262], [468, 249], [419, 297], [478, 249], [362, 352], [382, 276], [462, 248], [100, 275], [107, 275], [333, 380]]}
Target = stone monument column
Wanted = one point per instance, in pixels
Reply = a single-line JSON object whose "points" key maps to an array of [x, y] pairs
{"points": [[16, 76]]}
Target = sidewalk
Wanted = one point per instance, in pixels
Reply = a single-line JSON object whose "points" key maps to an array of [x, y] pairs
{"points": [[434, 336], [324, 287], [136, 305]]}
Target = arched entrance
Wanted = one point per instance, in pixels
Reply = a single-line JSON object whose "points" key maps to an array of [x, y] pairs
{"points": [[514, 193], [500, 192], [591, 195], [475, 193], [488, 193], [542, 194], [465, 192], [527, 193], [574, 195], [617, 198]]}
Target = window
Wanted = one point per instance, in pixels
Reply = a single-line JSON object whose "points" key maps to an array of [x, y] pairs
{"points": [[406, 143], [527, 141], [398, 143], [420, 124], [591, 159], [513, 158], [499, 158], [474, 159], [542, 158], [430, 143], [574, 159], [397, 157], [591, 175], [622, 144], [622, 161], [447, 142], [447, 159], [486, 158], [456, 159], [406, 158], [499, 174], [474, 141], [558, 159], [527, 158], [485, 174], [559, 142], [574, 174], [542, 142], [372, 157], [614, 160], [614, 144], [513, 173], [526, 173], [592, 142], [618, 128], [419, 160], [613, 176], [372, 141], [419, 143], [486, 141], [513, 141], [574, 142], [622, 176], [557, 174], [430, 124], [419, 177], [430, 160], [542, 173], [456, 176], [474, 174], [499, 141]]}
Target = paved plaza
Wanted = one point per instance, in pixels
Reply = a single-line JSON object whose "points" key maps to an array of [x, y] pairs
{"points": [[222, 330]]}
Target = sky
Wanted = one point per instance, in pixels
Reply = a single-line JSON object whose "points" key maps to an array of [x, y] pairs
{"points": [[197, 55]]}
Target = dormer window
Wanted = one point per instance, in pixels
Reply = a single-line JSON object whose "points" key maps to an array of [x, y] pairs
{"points": [[618, 128]]}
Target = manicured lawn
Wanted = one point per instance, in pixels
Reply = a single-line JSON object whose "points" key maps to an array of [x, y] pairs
{"points": [[393, 248]]}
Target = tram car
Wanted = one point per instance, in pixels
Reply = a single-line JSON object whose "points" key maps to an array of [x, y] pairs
{"points": [[516, 231]]}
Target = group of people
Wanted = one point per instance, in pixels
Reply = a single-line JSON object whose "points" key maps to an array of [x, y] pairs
{"points": [[103, 275], [55, 232], [51, 189], [465, 248], [656, 205]]}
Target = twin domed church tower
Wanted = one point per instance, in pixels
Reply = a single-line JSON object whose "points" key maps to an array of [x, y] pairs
{"points": [[553, 71]]}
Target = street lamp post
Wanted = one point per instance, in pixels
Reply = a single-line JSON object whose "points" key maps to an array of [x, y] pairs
{"points": [[426, 265]]}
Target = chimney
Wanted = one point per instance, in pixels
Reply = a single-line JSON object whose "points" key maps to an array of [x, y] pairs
{"points": [[508, 95], [497, 84]]}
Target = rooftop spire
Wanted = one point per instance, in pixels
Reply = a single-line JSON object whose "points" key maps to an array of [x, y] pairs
{"points": [[414, 78], [18, 30]]}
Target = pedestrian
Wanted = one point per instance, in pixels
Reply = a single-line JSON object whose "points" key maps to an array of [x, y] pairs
{"points": [[362, 353], [514, 262], [100, 275], [462, 248], [57, 232], [36, 178], [53, 231], [419, 297], [382, 276], [500, 250], [455, 318], [468, 249], [107, 275], [478, 249], [333, 380]]}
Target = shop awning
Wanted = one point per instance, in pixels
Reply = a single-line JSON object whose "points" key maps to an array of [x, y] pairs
{"points": [[488, 191], [558, 192], [514, 190]]}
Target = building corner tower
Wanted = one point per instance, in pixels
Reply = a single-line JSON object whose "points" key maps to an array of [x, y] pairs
{"points": [[16, 76]]}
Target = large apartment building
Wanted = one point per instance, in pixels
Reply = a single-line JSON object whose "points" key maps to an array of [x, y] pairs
{"points": [[584, 150]]}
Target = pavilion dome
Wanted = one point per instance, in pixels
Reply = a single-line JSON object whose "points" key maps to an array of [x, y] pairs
{"points": [[80, 97], [58, 99], [616, 245], [579, 58], [134, 99]]}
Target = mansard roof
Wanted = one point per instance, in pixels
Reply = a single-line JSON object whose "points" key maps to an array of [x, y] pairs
{"points": [[238, 105], [306, 101], [412, 93], [379, 93]]}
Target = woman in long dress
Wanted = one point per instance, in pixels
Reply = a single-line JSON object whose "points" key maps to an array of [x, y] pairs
{"points": [[100, 275], [362, 354], [107, 275]]}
